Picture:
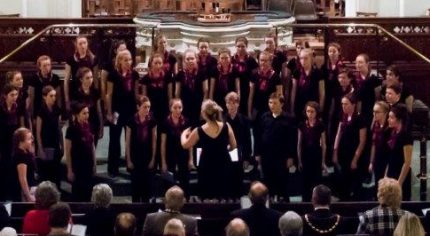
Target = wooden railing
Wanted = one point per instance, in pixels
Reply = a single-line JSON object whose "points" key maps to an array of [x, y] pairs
{"points": [[58, 42]]}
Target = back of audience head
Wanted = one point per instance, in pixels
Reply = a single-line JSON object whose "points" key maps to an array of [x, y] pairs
{"points": [[258, 193], [409, 224], [8, 231], [389, 193], [125, 224], [59, 215], [290, 224], [174, 227], [321, 195], [174, 198], [46, 195], [237, 227], [101, 195]]}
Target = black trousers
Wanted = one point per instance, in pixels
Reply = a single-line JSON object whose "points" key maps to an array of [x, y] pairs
{"points": [[114, 154], [82, 188], [141, 180]]}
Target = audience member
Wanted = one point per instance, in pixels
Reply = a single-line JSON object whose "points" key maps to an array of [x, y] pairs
{"points": [[237, 227], [383, 219], [174, 227], [174, 200], [125, 224], [260, 219], [59, 219], [291, 224], [8, 231], [100, 220], [321, 221], [409, 224], [37, 221]]}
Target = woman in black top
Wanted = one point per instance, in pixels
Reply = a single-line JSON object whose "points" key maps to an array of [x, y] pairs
{"points": [[226, 78], [398, 149], [330, 70], [109, 66], [244, 65], [15, 79], [311, 149], [9, 122], [264, 82], [308, 84], [49, 137], [191, 87], [279, 57], [121, 104], [83, 57], [90, 96], [207, 63], [378, 161], [141, 143], [366, 86], [158, 86], [173, 157], [348, 148], [170, 62], [42, 78], [80, 154], [23, 158]]}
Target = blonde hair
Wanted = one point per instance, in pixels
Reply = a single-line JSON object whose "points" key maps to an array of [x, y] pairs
{"points": [[389, 192], [409, 224], [211, 110], [119, 57], [42, 58]]}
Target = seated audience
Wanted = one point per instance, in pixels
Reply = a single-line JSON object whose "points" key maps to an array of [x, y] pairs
{"points": [[174, 227], [321, 221], [237, 227], [125, 224], [291, 224], [409, 224], [37, 221], [383, 219], [260, 219], [101, 219], [173, 202], [59, 218]]}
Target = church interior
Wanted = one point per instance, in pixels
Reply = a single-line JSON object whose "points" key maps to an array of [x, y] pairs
{"points": [[387, 32]]}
